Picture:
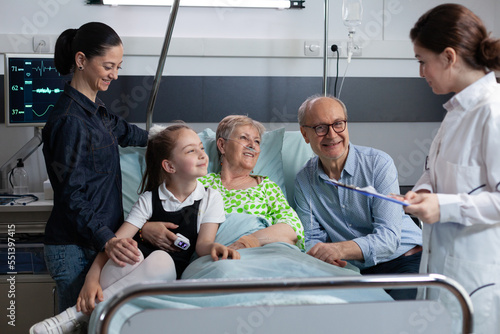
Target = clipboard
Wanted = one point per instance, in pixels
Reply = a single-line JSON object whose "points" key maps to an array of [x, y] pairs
{"points": [[367, 191]]}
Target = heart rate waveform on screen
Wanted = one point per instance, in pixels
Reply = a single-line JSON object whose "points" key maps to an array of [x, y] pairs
{"points": [[42, 69], [47, 90]]}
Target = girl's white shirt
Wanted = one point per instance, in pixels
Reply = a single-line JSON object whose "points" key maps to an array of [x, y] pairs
{"points": [[211, 208]]}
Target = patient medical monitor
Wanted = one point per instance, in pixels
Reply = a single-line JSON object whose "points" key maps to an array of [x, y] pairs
{"points": [[32, 87]]}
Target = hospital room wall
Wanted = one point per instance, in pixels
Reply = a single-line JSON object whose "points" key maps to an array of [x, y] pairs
{"points": [[254, 44]]}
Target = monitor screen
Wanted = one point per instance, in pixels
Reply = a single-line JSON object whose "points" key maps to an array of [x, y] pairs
{"points": [[32, 87]]}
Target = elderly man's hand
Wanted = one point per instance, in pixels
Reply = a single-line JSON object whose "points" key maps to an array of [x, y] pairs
{"points": [[329, 253]]}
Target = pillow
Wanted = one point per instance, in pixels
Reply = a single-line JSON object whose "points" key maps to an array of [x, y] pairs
{"points": [[207, 137], [270, 163], [295, 153], [133, 165]]}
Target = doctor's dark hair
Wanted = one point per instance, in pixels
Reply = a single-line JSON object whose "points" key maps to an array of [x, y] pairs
{"points": [[455, 26], [93, 39], [160, 147]]}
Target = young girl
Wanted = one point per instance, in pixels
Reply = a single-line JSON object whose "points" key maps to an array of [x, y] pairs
{"points": [[175, 158]]}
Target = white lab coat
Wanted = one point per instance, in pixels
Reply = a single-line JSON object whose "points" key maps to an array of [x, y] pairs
{"points": [[463, 167]]}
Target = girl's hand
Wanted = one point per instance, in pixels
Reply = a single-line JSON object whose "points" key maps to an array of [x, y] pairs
{"points": [[223, 252], [91, 291], [423, 205], [158, 234]]}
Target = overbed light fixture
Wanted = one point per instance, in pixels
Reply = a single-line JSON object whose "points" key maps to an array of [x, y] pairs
{"points": [[279, 4]]}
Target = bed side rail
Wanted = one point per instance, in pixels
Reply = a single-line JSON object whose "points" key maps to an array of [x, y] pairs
{"points": [[261, 285]]}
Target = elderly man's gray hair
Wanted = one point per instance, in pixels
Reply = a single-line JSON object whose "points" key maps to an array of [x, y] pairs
{"points": [[306, 106]]}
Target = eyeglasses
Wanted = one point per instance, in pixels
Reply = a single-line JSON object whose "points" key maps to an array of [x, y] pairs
{"points": [[322, 129]]}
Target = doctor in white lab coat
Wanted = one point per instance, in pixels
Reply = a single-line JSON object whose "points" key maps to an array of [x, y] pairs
{"points": [[458, 196]]}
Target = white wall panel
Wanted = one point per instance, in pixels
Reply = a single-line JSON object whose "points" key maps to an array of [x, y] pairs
{"points": [[398, 26], [204, 66]]}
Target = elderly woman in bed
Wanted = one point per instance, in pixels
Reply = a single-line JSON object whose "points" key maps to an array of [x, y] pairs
{"points": [[238, 144]]}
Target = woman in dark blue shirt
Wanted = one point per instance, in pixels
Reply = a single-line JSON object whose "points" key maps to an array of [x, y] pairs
{"points": [[81, 141]]}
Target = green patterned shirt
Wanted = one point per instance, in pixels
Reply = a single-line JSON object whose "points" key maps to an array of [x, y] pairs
{"points": [[265, 200]]}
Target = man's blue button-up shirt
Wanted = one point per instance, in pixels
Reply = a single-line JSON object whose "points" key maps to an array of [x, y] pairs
{"points": [[330, 214]]}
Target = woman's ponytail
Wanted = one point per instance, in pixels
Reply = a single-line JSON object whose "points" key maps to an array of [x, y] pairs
{"points": [[63, 53], [489, 53]]}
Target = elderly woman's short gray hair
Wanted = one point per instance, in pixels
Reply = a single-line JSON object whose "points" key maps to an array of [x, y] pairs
{"points": [[306, 106], [229, 123]]}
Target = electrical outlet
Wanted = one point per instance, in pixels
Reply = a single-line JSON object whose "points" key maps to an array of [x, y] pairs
{"points": [[357, 51], [342, 47], [312, 48], [41, 44]]}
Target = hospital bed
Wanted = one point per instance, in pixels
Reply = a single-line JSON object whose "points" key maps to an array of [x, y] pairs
{"points": [[282, 289], [277, 288], [421, 316]]}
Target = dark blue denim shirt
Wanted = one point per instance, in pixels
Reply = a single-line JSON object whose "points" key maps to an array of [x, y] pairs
{"points": [[80, 146]]}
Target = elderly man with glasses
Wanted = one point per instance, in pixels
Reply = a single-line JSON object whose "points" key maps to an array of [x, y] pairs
{"points": [[342, 225]]}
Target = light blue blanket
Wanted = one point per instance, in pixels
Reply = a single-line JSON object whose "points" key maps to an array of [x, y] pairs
{"points": [[276, 260]]}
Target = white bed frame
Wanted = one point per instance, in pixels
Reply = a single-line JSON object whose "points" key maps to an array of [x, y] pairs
{"points": [[417, 316]]}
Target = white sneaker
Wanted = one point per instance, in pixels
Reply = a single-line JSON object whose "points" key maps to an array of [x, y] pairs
{"points": [[64, 322]]}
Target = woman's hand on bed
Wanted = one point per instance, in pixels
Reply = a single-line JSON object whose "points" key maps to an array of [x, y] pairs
{"points": [[223, 252], [246, 241], [329, 253], [122, 251], [158, 234]]}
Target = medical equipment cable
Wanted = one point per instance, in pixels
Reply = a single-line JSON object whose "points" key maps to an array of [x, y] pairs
{"points": [[251, 149], [335, 48], [11, 199], [342, 84]]}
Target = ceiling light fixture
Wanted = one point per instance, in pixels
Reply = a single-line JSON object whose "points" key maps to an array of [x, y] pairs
{"points": [[280, 4]]}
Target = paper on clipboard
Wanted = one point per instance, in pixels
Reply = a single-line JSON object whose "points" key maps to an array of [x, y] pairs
{"points": [[367, 191]]}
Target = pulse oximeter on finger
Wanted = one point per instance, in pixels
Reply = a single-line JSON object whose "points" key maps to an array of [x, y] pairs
{"points": [[182, 242]]}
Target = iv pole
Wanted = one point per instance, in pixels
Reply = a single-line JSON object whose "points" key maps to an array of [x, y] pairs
{"points": [[325, 50], [161, 63]]}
